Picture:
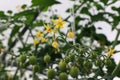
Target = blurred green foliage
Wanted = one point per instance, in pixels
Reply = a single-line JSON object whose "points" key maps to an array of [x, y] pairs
{"points": [[86, 56]]}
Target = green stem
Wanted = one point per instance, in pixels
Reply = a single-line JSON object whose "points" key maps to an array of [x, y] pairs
{"points": [[73, 25], [33, 75], [75, 10], [14, 77], [115, 41], [116, 70]]}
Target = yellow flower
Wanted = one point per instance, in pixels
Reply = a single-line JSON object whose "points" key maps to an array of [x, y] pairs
{"points": [[18, 8], [70, 35], [59, 23], [1, 49], [55, 44], [111, 52], [35, 42], [48, 28], [39, 34], [43, 39], [9, 75]]}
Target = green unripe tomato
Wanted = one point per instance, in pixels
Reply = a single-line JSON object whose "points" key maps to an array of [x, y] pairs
{"points": [[90, 65], [87, 64], [80, 60], [107, 62], [47, 58], [41, 68], [22, 58], [67, 59], [74, 71], [98, 62], [93, 55], [51, 73], [62, 66], [22, 72], [63, 76], [71, 57], [32, 60], [22, 65], [36, 68]]}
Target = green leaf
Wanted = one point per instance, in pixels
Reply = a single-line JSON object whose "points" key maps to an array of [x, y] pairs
{"points": [[10, 41], [112, 2], [37, 24], [14, 31], [26, 48], [2, 15], [49, 49], [104, 1], [87, 31], [97, 17], [111, 67], [24, 6], [44, 3], [85, 10], [29, 18], [24, 13], [28, 15], [102, 39], [115, 22], [118, 75], [116, 9], [68, 10], [98, 6], [9, 12]]}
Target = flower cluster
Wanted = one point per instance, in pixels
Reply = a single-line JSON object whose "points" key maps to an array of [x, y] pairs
{"points": [[40, 37], [111, 52], [1, 50], [52, 29], [59, 23], [70, 35]]}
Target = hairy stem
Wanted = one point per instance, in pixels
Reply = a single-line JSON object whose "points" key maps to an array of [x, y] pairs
{"points": [[116, 70], [116, 38]]}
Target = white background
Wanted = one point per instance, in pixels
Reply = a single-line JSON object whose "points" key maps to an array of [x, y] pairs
{"points": [[12, 4]]}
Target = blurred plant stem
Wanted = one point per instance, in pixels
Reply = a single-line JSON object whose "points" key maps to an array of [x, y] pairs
{"points": [[20, 35], [116, 38], [117, 68], [73, 24], [14, 77]]}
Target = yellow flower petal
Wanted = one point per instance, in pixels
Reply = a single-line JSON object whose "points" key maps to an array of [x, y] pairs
{"points": [[39, 34], [1, 49], [111, 52], [9, 75], [70, 35], [59, 23], [35, 41], [48, 28], [43, 39], [55, 44], [18, 8]]}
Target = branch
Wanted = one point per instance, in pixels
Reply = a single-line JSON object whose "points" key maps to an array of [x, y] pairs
{"points": [[75, 11], [116, 38], [20, 35], [116, 70]]}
